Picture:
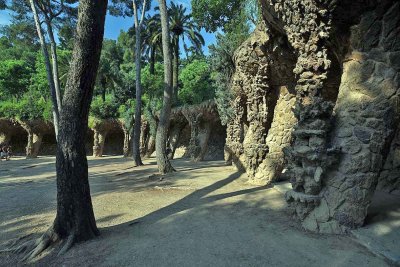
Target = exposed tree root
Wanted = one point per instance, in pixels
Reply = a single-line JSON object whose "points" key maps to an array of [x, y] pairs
{"points": [[32, 248]]}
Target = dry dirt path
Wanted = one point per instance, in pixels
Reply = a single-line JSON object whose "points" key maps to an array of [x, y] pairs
{"points": [[203, 215]]}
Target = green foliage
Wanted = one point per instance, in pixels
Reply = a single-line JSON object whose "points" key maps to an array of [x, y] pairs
{"points": [[39, 80], [107, 109], [127, 113], [30, 107], [215, 14], [196, 83], [152, 84], [223, 66], [14, 78]]}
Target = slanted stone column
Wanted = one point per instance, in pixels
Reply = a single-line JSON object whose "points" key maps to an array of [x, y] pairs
{"points": [[194, 148], [101, 129], [35, 129], [178, 123], [279, 137], [340, 148], [200, 117], [235, 132], [151, 146], [5, 137], [144, 136], [6, 129], [389, 177], [98, 143], [127, 142]]}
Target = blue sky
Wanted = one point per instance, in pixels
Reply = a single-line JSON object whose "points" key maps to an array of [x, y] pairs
{"points": [[115, 24]]}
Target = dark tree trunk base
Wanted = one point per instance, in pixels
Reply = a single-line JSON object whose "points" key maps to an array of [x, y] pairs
{"points": [[32, 248], [137, 161]]}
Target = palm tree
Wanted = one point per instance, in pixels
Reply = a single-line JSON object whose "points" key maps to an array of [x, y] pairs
{"points": [[182, 26], [152, 39]]}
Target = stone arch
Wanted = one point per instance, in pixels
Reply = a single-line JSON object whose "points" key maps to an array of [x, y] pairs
{"points": [[35, 129], [11, 133], [114, 141], [101, 130]]}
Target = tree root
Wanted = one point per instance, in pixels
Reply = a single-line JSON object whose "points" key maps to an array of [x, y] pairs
{"points": [[34, 247]]}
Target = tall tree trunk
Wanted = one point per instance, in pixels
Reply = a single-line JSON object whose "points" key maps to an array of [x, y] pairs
{"points": [[49, 70], [164, 166], [175, 78], [54, 60], [138, 111], [152, 60], [75, 220], [103, 90]]}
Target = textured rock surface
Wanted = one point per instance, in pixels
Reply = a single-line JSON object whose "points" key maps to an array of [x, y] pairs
{"points": [[202, 119], [336, 112], [35, 129], [110, 128], [263, 121]]}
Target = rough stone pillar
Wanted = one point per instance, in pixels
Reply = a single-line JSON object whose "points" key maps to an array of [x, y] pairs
{"points": [[33, 146], [126, 149], [279, 137], [98, 143], [331, 192], [389, 177], [235, 132], [151, 146], [203, 136], [144, 136], [194, 149], [5, 138], [35, 129], [176, 128]]}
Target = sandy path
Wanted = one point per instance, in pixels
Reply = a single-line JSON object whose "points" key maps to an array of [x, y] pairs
{"points": [[203, 215]]}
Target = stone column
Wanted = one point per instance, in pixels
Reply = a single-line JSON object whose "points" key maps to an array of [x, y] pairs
{"points": [[35, 129], [235, 132], [194, 149], [4, 138], [144, 137], [279, 137], [98, 143], [151, 146]]}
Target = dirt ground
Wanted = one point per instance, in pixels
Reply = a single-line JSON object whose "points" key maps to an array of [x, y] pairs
{"points": [[203, 215]]}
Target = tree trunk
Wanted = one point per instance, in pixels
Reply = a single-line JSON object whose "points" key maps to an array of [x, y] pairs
{"points": [[138, 111], [54, 60], [75, 217], [49, 71], [164, 166], [152, 60], [175, 78], [103, 90]]}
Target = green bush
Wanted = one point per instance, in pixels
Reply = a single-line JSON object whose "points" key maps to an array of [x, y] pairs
{"points": [[29, 107], [196, 83], [107, 109]]}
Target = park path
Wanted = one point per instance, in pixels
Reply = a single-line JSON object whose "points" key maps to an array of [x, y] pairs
{"points": [[203, 215]]}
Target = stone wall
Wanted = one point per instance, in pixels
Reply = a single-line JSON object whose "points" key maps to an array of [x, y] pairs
{"points": [[335, 114], [263, 85], [204, 141], [198, 132]]}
